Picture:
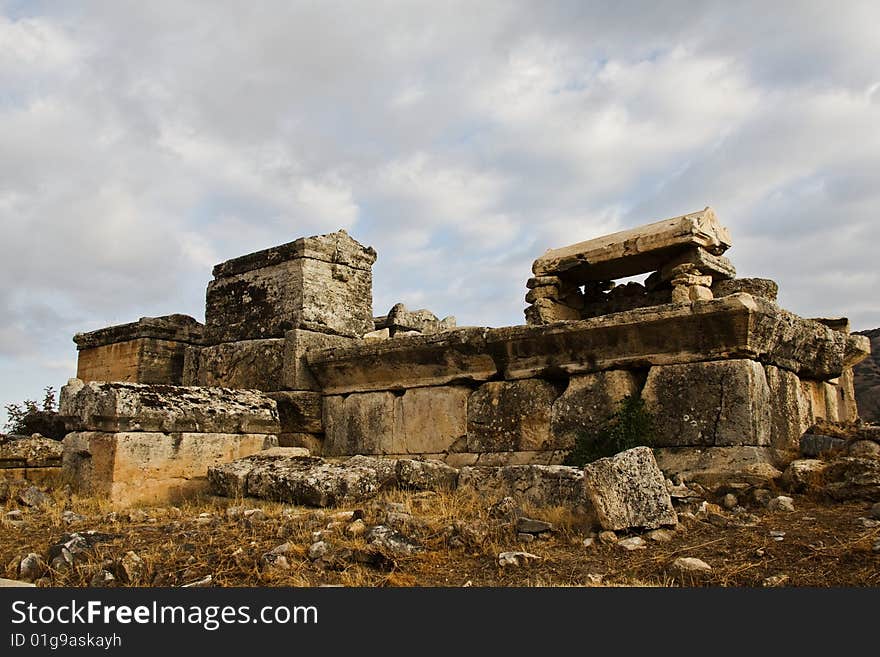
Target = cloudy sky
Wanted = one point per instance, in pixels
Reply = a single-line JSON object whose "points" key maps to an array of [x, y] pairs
{"points": [[143, 142]]}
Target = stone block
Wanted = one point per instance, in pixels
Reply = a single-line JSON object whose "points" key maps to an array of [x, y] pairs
{"points": [[412, 361], [628, 490], [636, 251], [537, 485], [511, 416], [400, 319], [96, 406], [588, 401], [150, 350], [150, 467], [361, 423], [30, 452], [791, 412], [717, 466], [711, 403], [298, 343], [247, 364], [429, 420], [699, 259], [321, 283], [736, 326], [299, 411]]}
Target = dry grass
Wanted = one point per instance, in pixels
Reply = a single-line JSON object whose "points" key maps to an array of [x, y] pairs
{"points": [[824, 546]]}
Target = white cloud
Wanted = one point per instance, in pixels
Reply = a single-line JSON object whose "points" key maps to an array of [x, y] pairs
{"points": [[142, 143]]}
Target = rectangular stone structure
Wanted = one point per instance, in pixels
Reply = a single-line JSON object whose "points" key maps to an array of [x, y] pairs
{"points": [[321, 283], [151, 467], [113, 406], [636, 251], [150, 350]]}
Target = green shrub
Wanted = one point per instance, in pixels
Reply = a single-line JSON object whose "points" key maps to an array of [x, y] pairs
{"points": [[29, 417], [630, 426]]}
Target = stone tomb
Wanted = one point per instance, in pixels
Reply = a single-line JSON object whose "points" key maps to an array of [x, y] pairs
{"points": [[732, 379]]}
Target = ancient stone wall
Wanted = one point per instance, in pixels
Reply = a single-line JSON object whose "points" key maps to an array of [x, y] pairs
{"points": [[731, 379]]}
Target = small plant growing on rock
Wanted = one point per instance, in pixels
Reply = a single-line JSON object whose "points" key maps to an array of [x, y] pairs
{"points": [[630, 426], [29, 417]]}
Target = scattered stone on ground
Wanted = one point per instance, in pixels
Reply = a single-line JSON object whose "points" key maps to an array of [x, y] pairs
{"points": [[506, 559]]}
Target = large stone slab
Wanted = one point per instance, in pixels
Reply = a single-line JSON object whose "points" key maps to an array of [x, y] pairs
{"points": [[97, 406], [150, 350], [511, 416], [628, 490], [419, 421], [713, 403], [248, 364], [735, 326], [717, 466], [411, 361], [321, 283], [588, 401], [636, 251], [537, 485], [148, 467]]}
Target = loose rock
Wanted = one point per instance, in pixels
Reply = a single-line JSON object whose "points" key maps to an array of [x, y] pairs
{"points": [[34, 498], [506, 559], [690, 566], [632, 543], [781, 503]]}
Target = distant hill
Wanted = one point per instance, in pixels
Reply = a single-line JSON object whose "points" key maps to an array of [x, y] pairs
{"points": [[867, 379]]}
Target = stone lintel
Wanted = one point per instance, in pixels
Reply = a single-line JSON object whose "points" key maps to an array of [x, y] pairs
{"points": [[636, 251]]}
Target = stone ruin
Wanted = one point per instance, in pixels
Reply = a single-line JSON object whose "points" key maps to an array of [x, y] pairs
{"points": [[291, 355]]}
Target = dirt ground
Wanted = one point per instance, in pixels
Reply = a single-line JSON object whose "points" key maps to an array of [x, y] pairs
{"points": [[824, 545]]}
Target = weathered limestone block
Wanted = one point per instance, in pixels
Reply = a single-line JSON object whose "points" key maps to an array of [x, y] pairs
{"points": [[129, 468], [96, 406], [739, 326], [791, 412], [429, 420], [299, 411], [588, 401], [400, 319], [425, 475], [628, 490], [711, 403], [499, 459], [298, 345], [852, 478], [635, 251], [419, 421], [716, 466], [804, 475], [412, 361], [361, 423], [539, 485], [845, 397], [763, 288], [511, 416], [249, 364], [150, 350], [307, 482], [823, 398], [321, 283]]}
